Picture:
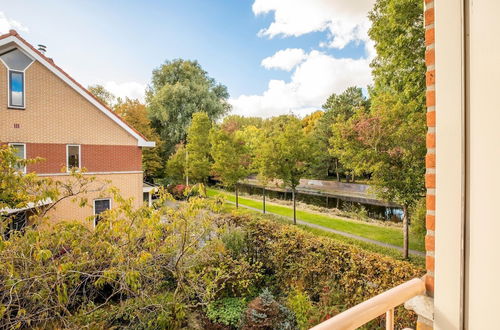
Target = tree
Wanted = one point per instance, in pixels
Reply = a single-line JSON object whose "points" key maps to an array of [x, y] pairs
{"points": [[399, 35], [176, 169], [399, 82], [179, 89], [136, 115], [284, 153], [198, 148], [236, 122], [231, 158], [102, 94]]}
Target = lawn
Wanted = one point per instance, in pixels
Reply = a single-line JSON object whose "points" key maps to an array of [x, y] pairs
{"points": [[384, 234]]}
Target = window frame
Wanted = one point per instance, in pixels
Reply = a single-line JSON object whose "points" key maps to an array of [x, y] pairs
{"points": [[68, 169], [13, 144], [9, 90], [93, 207]]}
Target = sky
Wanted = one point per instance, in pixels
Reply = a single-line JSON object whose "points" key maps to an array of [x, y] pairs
{"points": [[274, 56]]}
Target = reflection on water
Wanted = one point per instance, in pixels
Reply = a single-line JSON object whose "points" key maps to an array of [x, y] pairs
{"points": [[373, 211]]}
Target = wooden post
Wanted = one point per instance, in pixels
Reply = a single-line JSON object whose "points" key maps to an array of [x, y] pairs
{"points": [[294, 210], [236, 192], [326, 201], [405, 233], [389, 319], [264, 200]]}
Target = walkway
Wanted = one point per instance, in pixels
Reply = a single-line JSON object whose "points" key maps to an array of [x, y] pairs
{"points": [[360, 238]]}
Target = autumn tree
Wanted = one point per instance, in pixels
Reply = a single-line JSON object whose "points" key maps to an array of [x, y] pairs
{"points": [[135, 114], [231, 158], [284, 153], [198, 148], [102, 94], [179, 89]]}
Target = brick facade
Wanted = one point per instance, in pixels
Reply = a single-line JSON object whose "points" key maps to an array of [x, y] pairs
{"points": [[58, 113], [430, 159], [94, 158]]}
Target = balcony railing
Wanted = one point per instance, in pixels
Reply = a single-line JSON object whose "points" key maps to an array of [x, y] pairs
{"points": [[372, 308]]}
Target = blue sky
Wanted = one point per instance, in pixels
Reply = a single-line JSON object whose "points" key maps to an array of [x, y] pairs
{"points": [[323, 43]]}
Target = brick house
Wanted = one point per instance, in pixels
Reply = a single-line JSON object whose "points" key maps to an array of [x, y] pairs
{"points": [[46, 113]]}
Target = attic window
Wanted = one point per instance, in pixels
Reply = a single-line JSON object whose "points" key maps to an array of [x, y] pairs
{"points": [[17, 62]]}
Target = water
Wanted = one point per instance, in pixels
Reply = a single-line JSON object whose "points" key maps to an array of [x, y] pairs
{"points": [[380, 212]]}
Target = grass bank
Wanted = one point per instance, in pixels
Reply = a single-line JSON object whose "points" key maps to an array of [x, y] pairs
{"points": [[379, 233]]}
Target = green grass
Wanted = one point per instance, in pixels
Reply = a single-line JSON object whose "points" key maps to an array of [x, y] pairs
{"points": [[384, 234]]}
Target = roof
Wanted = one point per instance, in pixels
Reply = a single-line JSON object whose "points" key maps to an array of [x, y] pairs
{"points": [[14, 37], [28, 206]]}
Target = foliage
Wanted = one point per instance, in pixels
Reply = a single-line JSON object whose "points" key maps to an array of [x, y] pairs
{"points": [[264, 312], [179, 89], [198, 148], [230, 155], [418, 213], [102, 94], [398, 32], [227, 311], [234, 123], [136, 115], [345, 105], [300, 304], [175, 169], [284, 151]]}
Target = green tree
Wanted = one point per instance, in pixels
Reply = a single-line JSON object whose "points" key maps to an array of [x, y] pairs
{"points": [[399, 35], [399, 93], [179, 89], [198, 148], [102, 94], [231, 158], [236, 122], [176, 165], [136, 115], [284, 153]]}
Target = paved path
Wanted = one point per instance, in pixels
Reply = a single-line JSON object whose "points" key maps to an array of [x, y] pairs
{"points": [[312, 225]]}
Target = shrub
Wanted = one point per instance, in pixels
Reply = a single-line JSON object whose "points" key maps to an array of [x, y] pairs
{"points": [[417, 218], [264, 312], [227, 311], [300, 304]]}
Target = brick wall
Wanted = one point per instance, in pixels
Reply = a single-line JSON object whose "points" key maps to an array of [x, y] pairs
{"points": [[94, 158], [430, 159], [55, 113]]}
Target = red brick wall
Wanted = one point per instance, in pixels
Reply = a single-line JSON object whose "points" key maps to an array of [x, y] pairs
{"points": [[430, 159], [95, 158]]}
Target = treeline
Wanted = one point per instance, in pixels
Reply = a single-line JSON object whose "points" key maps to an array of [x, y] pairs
{"points": [[380, 136]]}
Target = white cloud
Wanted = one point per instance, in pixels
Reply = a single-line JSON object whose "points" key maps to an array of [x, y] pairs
{"points": [[285, 59], [316, 78], [345, 20], [131, 89], [6, 24]]}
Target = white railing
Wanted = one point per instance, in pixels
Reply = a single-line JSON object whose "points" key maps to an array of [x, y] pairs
{"points": [[374, 307]]}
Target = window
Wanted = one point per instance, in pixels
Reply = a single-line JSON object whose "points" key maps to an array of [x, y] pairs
{"points": [[17, 62], [20, 150], [72, 156], [16, 89], [100, 205]]}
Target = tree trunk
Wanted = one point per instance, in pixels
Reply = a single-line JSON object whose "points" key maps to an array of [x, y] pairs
{"points": [[264, 200], [294, 207], [326, 201], [353, 178], [405, 232], [236, 193]]}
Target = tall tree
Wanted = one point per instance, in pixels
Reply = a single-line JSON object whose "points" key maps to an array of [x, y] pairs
{"points": [[136, 115], [102, 94], [231, 158], [179, 89], [284, 153], [176, 168], [198, 148], [398, 94]]}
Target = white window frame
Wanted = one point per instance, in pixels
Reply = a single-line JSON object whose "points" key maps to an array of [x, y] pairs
{"points": [[13, 144], [9, 104], [68, 169], [93, 207]]}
